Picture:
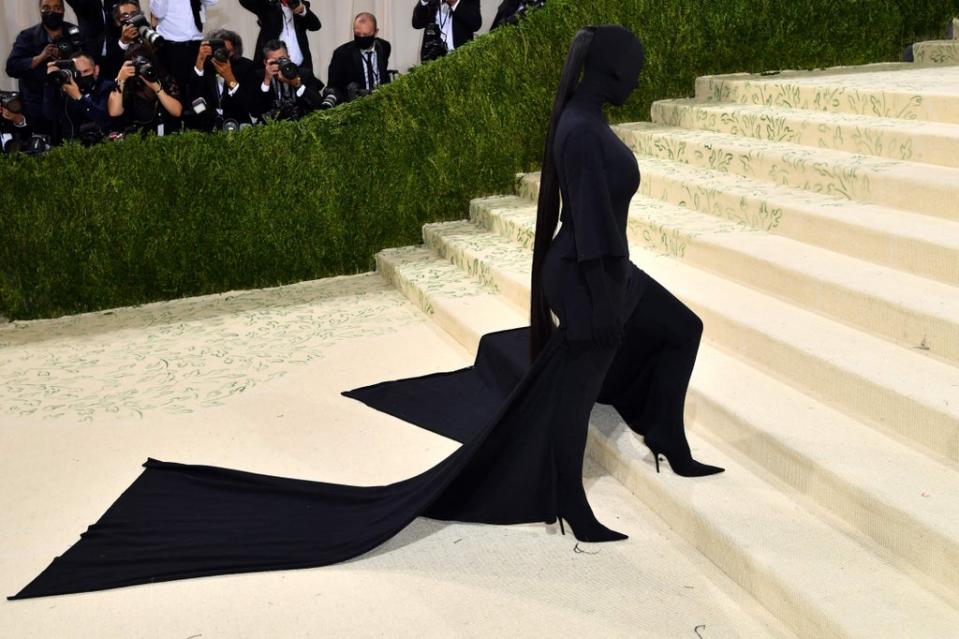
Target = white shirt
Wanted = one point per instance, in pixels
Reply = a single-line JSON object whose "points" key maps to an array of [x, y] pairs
{"points": [[175, 19], [288, 34], [444, 18]]}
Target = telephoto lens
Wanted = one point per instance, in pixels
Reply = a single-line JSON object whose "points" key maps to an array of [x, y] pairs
{"points": [[147, 34], [330, 98]]}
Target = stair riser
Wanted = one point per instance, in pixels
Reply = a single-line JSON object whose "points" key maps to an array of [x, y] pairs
{"points": [[853, 306], [788, 605], [861, 398], [802, 169], [801, 222], [844, 135], [945, 52], [934, 562], [883, 104], [850, 393], [515, 290]]}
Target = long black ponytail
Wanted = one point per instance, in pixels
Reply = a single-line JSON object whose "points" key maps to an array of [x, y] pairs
{"points": [[547, 212]]}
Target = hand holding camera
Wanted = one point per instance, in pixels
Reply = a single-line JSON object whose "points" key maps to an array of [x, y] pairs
{"points": [[63, 74], [50, 52], [129, 34], [204, 54]]}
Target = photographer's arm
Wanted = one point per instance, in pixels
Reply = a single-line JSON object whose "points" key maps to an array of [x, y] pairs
{"points": [[467, 14], [423, 14], [169, 103], [310, 20], [115, 101]]}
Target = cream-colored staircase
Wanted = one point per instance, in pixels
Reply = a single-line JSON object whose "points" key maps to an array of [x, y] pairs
{"points": [[812, 221], [939, 51]]}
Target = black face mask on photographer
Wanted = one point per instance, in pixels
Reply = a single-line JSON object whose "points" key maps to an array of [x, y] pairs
{"points": [[364, 42], [52, 20], [87, 83]]}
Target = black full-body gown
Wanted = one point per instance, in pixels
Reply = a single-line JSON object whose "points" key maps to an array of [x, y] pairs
{"points": [[523, 439]]}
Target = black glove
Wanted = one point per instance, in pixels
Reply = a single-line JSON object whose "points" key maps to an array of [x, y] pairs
{"points": [[607, 326]]}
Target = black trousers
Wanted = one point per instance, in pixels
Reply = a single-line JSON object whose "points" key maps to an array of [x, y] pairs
{"points": [[178, 59]]}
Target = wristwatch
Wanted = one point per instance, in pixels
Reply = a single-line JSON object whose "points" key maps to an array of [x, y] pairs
{"points": [[232, 85]]}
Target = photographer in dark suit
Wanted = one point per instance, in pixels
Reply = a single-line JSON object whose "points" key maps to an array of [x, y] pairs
{"points": [[75, 100], [286, 91], [458, 20], [286, 20], [120, 36], [222, 79], [359, 66], [45, 42], [14, 128], [146, 98]]}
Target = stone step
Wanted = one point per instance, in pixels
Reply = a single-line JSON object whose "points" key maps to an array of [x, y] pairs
{"points": [[900, 90], [919, 244], [908, 186], [909, 310], [899, 391], [913, 141], [944, 52], [809, 574]]}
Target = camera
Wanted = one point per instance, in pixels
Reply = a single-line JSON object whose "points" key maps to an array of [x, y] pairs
{"points": [[220, 52], [143, 67], [90, 134], [288, 68], [284, 110], [66, 71], [330, 98], [10, 100], [69, 44], [354, 90], [142, 25], [199, 106], [433, 44]]}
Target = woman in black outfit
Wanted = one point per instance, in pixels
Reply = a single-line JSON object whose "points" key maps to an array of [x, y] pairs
{"points": [[621, 339], [142, 104]]}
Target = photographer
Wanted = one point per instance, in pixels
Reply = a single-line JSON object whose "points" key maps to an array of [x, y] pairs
{"points": [[456, 21], [75, 100], [145, 97], [287, 92], [52, 39], [359, 66], [14, 128], [510, 11], [219, 86], [286, 20]]}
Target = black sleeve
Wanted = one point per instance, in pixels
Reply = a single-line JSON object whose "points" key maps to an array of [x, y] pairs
{"points": [[311, 20], [587, 196], [468, 16], [311, 98], [338, 75], [254, 6], [423, 15], [21, 56]]}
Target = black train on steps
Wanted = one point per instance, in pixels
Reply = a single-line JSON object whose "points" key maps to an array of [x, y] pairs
{"points": [[622, 340]]}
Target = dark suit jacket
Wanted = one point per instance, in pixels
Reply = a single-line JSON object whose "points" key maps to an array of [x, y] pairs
{"points": [[347, 65], [235, 107], [29, 43], [270, 19], [505, 11], [467, 19], [262, 102]]}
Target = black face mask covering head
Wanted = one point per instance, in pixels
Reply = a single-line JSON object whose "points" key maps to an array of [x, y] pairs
{"points": [[613, 64], [52, 20]]}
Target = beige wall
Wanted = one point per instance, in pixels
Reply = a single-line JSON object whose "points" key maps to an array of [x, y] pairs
{"points": [[336, 15]]}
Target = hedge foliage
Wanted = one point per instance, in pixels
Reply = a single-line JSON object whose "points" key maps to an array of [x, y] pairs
{"points": [[158, 218]]}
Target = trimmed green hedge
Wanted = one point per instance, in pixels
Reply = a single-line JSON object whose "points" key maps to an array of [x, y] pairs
{"points": [[158, 218]]}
